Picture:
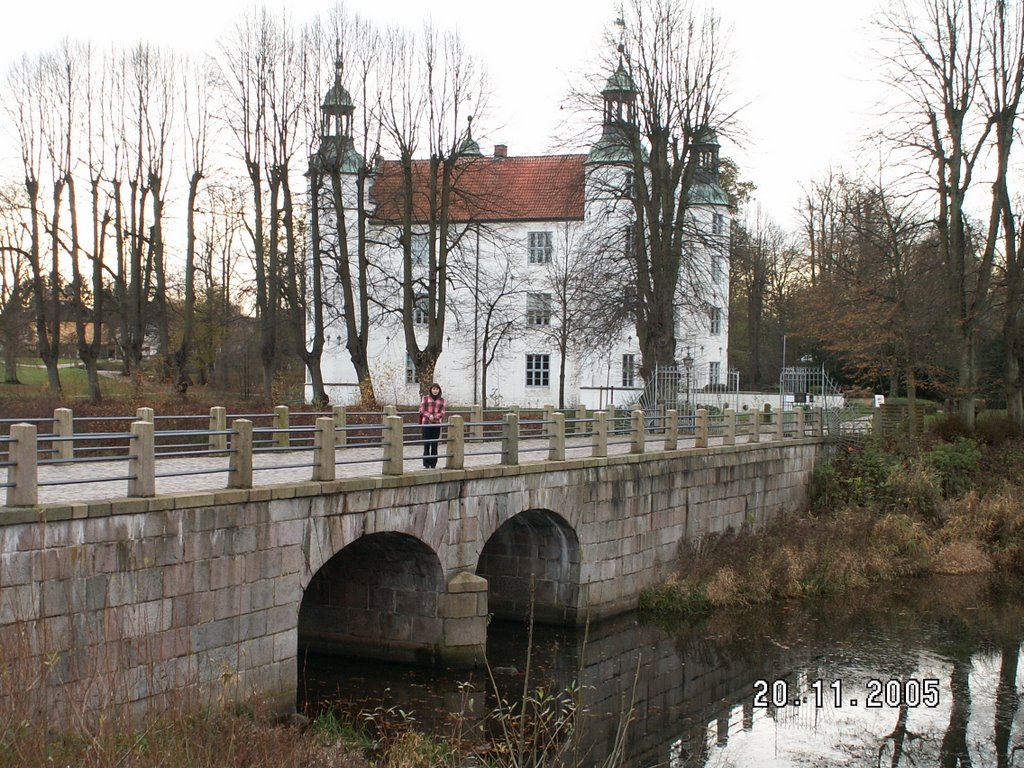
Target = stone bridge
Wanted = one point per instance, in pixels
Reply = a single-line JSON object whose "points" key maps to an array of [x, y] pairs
{"points": [[132, 601]]}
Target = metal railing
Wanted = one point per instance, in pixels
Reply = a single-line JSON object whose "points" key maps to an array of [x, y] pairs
{"points": [[240, 449]]}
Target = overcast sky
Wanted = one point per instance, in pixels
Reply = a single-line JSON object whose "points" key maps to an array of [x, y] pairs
{"points": [[803, 69]]}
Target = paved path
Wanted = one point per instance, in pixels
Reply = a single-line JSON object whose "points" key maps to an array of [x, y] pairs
{"points": [[79, 482]]}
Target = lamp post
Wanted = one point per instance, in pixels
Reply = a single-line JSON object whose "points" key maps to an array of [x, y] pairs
{"points": [[688, 365]]}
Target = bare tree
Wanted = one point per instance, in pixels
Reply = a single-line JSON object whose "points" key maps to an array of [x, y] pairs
{"points": [[15, 280], [339, 176], [579, 317], [758, 248], [247, 61], [671, 93], [196, 94], [31, 105], [431, 80], [1003, 87], [497, 286], [75, 78], [144, 99], [937, 68], [871, 305], [89, 323]]}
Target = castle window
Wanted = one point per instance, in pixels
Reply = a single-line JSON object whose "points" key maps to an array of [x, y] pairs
{"points": [[410, 369], [716, 265], [420, 249], [715, 373], [538, 370], [539, 247], [538, 309], [714, 320], [420, 311], [718, 224], [629, 370]]}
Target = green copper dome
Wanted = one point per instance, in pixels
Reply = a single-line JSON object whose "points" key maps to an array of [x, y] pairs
{"points": [[707, 193], [612, 148], [337, 100], [620, 85], [336, 153], [468, 147]]}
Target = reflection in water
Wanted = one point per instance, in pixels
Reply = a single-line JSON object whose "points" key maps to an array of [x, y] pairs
{"points": [[694, 685]]}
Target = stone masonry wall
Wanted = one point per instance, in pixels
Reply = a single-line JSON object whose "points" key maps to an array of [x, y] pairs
{"points": [[131, 601]]}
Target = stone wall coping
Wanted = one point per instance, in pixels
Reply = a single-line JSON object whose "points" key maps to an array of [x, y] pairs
{"points": [[58, 512]]}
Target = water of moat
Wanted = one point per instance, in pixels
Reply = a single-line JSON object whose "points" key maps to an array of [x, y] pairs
{"points": [[916, 673]]}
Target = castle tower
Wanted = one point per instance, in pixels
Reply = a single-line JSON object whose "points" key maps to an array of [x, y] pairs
{"points": [[609, 166], [336, 151], [334, 166]]}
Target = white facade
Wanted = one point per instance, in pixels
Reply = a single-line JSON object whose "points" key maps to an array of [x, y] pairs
{"points": [[503, 314]]}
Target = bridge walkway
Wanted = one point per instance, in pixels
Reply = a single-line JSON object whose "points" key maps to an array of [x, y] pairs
{"points": [[71, 483]]}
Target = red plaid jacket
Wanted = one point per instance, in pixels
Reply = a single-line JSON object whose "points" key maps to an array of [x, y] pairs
{"points": [[431, 410]]}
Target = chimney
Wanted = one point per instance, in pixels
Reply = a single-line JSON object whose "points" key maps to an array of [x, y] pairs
{"points": [[501, 150]]}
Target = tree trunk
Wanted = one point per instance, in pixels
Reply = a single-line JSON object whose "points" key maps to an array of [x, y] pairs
{"points": [[562, 354], [10, 361], [49, 344], [1007, 701], [181, 357]]}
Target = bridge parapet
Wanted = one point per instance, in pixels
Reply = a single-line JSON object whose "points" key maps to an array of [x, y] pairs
{"points": [[66, 464]]}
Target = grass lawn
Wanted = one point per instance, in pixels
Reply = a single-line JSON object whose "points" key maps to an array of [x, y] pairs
{"points": [[73, 381]]}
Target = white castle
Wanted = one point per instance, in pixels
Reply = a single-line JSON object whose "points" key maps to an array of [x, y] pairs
{"points": [[519, 225]]}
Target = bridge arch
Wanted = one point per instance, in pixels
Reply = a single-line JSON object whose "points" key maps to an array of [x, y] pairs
{"points": [[537, 546], [378, 597]]}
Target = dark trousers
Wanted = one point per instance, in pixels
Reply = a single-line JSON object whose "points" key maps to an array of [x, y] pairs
{"points": [[431, 435]]}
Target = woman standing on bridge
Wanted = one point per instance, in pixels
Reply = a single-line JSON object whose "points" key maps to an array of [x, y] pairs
{"points": [[431, 415]]}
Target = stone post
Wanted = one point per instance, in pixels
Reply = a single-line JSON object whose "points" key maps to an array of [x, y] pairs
{"points": [[729, 438], [394, 448], [600, 433], [390, 410], [323, 450], [145, 414], [64, 426], [780, 425], [701, 428], [281, 439], [464, 612], [800, 422], [240, 463], [456, 450], [636, 431], [142, 460], [671, 429], [754, 419], [510, 439], [340, 422], [819, 422], [556, 438], [549, 415], [581, 426], [22, 474], [218, 423], [476, 416]]}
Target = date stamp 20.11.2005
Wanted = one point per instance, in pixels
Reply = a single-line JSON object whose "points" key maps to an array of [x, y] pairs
{"points": [[876, 694]]}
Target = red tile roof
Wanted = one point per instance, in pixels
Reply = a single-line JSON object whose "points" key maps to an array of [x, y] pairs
{"points": [[491, 189]]}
